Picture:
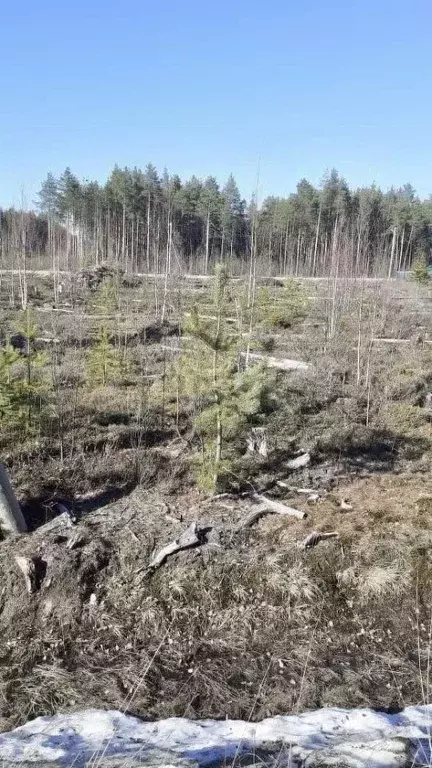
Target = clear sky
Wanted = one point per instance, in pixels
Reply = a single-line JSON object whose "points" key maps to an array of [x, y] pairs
{"points": [[210, 87]]}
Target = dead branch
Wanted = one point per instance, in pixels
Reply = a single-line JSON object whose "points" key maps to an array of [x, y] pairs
{"points": [[192, 537], [315, 537], [294, 488], [277, 507], [268, 507]]}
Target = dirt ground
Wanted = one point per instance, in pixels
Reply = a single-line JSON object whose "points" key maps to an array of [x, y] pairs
{"points": [[246, 625]]}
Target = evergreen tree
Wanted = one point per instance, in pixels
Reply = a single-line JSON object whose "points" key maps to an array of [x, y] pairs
{"points": [[104, 362], [225, 396]]}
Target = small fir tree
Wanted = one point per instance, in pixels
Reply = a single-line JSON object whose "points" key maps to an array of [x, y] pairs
{"points": [[225, 396], [24, 388], [104, 362], [420, 272]]}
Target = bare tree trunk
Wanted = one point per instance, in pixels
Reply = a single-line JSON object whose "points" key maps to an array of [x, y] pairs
{"points": [[316, 241], [22, 262], [167, 269], [286, 248], [132, 246], [392, 254], [401, 249], [207, 242], [11, 518], [148, 234], [298, 253], [123, 248]]}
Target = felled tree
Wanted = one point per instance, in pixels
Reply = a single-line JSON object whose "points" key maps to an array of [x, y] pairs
{"points": [[225, 397]]}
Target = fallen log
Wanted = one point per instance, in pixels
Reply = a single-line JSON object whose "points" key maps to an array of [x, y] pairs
{"points": [[282, 364], [192, 537]]}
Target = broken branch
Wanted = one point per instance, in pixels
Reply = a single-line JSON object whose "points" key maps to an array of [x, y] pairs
{"points": [[192, 537]]}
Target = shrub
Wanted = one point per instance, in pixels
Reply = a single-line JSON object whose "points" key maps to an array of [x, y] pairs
{"points": [[104, 362], [420, 272]]}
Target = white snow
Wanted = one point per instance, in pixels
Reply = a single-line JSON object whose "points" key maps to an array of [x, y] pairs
{"points": [[362, 737]]}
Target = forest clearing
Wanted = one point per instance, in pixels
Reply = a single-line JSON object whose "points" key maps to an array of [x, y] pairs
{"points": [[255, 536]]}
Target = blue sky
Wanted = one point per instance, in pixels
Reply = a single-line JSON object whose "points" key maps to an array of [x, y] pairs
{"points": [[209, 88]]}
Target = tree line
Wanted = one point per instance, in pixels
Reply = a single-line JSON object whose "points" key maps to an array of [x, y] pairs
{"points": [[142, 221]]}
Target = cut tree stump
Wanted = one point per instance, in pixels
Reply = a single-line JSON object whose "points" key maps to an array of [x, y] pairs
{"points": [[11, 518]]}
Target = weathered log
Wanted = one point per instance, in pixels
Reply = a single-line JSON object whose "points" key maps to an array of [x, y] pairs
{"points": [[282, 364], [299, 461], [192, 537], [11, 518]]}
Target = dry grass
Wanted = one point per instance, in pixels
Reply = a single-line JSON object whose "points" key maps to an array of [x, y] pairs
{"points": [[336, 625]]}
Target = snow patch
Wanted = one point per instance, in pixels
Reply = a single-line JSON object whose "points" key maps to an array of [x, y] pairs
{"points": [[360, 738]]}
